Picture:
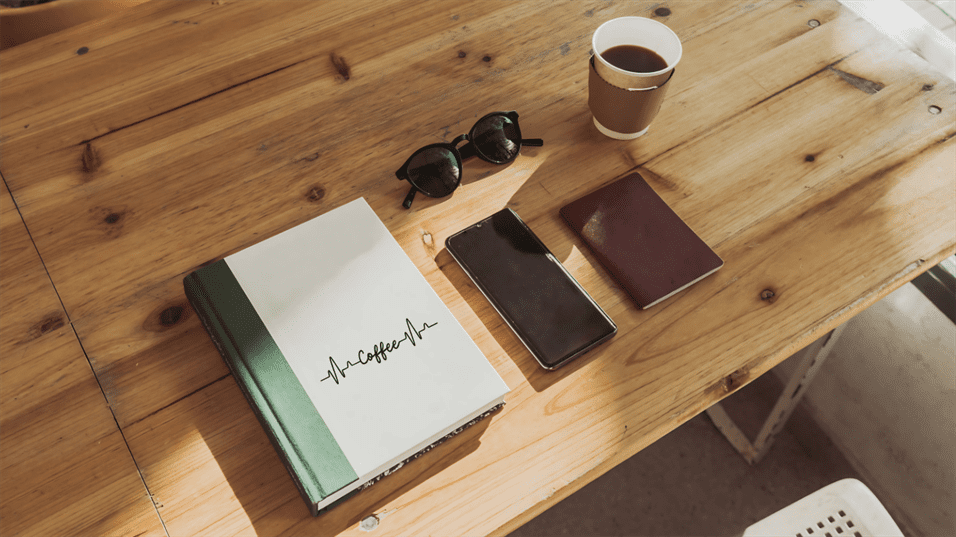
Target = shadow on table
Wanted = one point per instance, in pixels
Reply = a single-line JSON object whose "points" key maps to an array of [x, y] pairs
{"points": [[554, 164], [539, 378], [267, 495]]}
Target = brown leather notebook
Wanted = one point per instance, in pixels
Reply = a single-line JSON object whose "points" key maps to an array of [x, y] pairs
{"points": [[641, 241]]}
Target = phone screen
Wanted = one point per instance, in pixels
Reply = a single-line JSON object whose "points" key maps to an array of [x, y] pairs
{"points": [[545, 306]]}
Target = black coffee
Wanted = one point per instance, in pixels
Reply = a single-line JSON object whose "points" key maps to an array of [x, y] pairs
{"points": [[634, 59]]}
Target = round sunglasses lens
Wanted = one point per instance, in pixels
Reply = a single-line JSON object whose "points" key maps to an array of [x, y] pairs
{"points": [[434, 171], [497, 138]]}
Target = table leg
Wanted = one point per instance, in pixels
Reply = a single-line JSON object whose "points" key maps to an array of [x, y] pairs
{"points": [[810, 362]]}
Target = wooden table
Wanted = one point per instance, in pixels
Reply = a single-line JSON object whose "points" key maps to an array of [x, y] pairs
{"points": [[145, 145]]}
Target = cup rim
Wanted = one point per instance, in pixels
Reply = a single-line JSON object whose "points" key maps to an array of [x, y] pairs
{"points": [[680, 48]]}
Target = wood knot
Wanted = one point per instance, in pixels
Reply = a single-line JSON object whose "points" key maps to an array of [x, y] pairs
{"points": [[662, 12], [486, 58], [166, 317], [768, 295], [48, 324], [111, 220], [90, 159], [928, 87], [462, 53], [341, 66], [171, 315], [82, 50], [315, 193], [735, 380], [809, 158]]}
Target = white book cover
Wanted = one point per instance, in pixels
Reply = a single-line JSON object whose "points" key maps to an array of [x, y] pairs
{"points": [[384, 362]]}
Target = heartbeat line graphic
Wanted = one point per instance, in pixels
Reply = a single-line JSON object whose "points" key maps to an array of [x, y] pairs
{"points": [[379, 352]]}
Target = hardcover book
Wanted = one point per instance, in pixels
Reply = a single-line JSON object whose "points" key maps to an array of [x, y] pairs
{"points": [[348, 357], [640, 240]]}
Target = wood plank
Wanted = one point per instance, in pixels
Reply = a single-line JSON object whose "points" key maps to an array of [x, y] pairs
{"points": [[64, 466]]}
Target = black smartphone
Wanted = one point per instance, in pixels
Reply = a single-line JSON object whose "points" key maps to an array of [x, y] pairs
{"points": [[543, 304]]}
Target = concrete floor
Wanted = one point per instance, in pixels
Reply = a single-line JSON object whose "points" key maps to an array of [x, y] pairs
{"points": [[692, 482]]}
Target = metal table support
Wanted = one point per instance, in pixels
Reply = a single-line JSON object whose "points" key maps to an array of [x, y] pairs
{"points": [[810, 362]]}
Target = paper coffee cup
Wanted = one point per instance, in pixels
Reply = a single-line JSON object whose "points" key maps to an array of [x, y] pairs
{"points": [[625, 102]]}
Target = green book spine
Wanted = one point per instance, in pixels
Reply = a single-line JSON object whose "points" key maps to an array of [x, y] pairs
{"points": [[310, 453]]}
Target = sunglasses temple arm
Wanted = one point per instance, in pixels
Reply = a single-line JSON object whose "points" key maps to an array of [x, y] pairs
{"points": [[409, 198], [533, 142]]}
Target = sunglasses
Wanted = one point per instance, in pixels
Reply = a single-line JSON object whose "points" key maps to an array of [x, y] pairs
{"points": [[435, 170]]}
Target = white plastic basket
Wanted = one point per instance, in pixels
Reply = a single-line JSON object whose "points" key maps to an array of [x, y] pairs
{"points": [[846, 508]]}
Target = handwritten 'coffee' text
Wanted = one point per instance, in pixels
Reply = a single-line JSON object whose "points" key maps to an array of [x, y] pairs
{"points": [[379, 352]]}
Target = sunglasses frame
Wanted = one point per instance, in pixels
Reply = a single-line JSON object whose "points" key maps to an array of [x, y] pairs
{"points": [[467, 151]]}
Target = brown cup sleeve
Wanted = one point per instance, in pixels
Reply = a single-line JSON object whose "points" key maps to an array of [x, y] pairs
{"points": [[620, 109]]}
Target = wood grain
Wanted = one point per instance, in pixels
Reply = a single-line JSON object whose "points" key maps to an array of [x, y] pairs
{"points": [[64, 466], [227, 123]]}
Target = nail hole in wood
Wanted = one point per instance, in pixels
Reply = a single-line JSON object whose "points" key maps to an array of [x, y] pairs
{"points": [[315, 193], [768, 295]]}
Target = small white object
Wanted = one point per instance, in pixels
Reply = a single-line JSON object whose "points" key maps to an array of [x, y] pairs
{"points": [[369, 523], [846, 508]]}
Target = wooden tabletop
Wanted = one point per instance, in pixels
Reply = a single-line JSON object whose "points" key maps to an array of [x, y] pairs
{"points": [[817, 160]]}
